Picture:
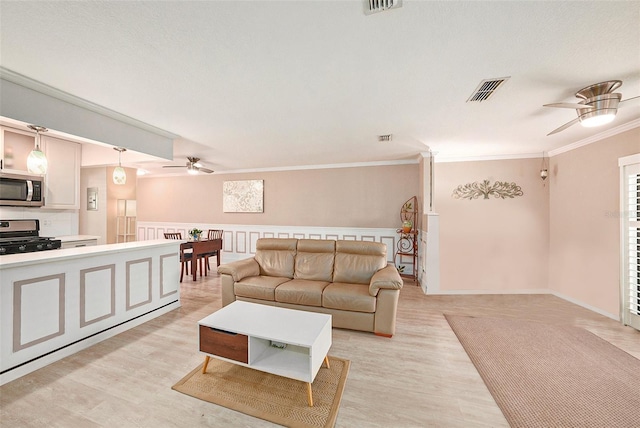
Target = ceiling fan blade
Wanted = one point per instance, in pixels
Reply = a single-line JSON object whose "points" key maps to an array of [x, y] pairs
{"points": [[568, 105], [563, 127], [629, 99], [207, 170], [173, 166]]}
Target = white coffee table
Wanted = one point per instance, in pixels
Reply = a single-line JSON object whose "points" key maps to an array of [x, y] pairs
{"points": [[281, 341]]}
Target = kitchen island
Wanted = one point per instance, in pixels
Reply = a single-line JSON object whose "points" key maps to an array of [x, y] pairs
{"points": [[55, 303]]}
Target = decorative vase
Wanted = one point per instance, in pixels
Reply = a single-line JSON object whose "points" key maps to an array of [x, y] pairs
{"points": [[407, 226]]}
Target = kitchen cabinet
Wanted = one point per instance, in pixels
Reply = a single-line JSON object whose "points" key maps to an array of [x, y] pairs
{"points": [[15, 146], [75, 241], [62, 181]]}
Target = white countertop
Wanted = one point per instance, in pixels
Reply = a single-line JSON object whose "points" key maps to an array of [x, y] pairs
{"points": [[69, 238], [18, 260]]}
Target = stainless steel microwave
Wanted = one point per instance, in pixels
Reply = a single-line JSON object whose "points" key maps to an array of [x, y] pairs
{"points": [[21, 190]]}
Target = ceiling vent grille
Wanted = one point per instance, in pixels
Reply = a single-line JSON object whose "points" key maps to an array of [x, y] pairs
{"points": [[386, 137], [374, 6], [486, 89]]}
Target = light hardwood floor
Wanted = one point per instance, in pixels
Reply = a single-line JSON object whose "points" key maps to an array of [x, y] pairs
{"points": [[419, 378]]}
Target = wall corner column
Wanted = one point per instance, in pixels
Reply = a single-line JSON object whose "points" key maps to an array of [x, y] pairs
{"points": [[429, 272]]}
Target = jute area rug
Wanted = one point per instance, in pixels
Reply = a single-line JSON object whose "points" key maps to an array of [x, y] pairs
{"points": [[273, 398], [552, 376]]}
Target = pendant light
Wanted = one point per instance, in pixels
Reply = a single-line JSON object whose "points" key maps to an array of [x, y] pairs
{"points": [[119, 176], [37, 161]]}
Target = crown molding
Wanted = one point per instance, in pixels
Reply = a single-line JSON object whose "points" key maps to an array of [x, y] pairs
{"points": [[327, 166], [446, 159], [19, 79], [595, 138]]}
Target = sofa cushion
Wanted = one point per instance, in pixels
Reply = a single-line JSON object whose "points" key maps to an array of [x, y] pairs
{"points": [[301, 292], [357, 261], [276, 256], [258, 287], [348, 297], [314, 259]]}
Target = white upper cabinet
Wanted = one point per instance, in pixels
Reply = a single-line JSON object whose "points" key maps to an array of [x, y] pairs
{"points": [[62, 181], [15, 146]]}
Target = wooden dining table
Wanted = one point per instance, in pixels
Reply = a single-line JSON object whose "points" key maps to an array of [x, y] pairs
{"points": [[200, 247]]}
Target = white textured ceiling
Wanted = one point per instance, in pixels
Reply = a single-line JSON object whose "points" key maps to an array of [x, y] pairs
{"points": [[266, 84]]}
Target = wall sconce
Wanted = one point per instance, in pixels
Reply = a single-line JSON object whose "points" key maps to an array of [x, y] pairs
{"points": [[544, 169], [37, 161], [119, 176]]}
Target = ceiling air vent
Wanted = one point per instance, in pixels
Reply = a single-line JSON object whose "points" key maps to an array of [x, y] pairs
{"points": [[386, 137], [374, 6], [486, 89]]}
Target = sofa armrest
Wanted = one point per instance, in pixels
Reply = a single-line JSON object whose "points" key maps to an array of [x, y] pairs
{"points": [[387, 277], [240, 269]]}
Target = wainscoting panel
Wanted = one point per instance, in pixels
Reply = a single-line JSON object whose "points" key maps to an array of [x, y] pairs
{"points": [[227, 241], [138, 282], [169, 274], [253, 239], [38, 310], [240, 240], [97, 294]]}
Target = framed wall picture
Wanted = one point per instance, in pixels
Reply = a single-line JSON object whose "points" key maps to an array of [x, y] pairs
{"points": [[244, 196]]}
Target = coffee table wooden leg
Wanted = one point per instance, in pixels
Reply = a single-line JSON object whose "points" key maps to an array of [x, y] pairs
{"points": [[326, 361], [206, 363], [309, 396]]}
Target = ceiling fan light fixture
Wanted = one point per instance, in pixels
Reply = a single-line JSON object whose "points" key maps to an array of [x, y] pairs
{"points": [[192, 169], [597, 120]]}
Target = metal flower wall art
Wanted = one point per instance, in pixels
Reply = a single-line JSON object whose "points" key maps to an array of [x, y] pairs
{"points": [[499, 189]]}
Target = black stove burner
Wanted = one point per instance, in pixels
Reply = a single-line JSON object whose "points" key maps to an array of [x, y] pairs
{"points": [[21, 236]]}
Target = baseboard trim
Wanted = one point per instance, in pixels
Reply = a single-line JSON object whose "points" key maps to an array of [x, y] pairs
{"points": [[531, 291], [586, 306]]}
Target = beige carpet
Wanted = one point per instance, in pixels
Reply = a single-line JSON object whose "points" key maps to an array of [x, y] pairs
{"points": [[273, 398], [552, 376]]}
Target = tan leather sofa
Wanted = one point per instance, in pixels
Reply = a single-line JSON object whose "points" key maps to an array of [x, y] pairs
{"points": [[350, 280]]}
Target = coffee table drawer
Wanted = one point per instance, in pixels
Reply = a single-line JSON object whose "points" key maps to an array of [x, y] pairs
{"points": [[224, 344]]}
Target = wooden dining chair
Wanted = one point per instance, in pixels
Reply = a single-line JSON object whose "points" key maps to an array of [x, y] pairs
{"points": [[185, 257], [213, 234]]}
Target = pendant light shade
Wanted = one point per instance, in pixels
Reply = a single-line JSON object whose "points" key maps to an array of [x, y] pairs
{"points": [[119, 175], [37, 161]]}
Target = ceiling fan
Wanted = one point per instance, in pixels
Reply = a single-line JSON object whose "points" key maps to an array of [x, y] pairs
{"points": [[193, 166], [598, 105]]}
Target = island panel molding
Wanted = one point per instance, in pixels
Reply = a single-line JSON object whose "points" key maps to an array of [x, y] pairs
{"points": [[97, 294], [168, 286], [38, 310], [138, 282], [58, 332]]}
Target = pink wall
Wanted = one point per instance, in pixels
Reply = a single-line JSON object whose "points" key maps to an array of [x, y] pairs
{"points": [[493, 244], [339, 197], [584, 257]]}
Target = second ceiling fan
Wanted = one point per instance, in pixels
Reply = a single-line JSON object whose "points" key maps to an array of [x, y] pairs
{"points": [[193, 166], [598, 105]]}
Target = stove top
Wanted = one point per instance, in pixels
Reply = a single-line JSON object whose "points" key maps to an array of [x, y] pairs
{"points": [[22, 236]]}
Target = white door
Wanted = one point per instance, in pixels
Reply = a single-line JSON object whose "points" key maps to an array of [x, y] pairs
{"points": [[630, 237]]}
